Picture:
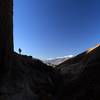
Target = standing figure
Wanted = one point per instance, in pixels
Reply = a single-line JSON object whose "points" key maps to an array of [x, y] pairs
{"points": [[19, 51]]}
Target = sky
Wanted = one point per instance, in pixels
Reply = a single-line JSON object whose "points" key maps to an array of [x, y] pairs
{"points": [[55, 28]]}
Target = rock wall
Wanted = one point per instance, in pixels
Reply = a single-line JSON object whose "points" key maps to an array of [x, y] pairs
{"points": [[6, 27], [6, 34]]}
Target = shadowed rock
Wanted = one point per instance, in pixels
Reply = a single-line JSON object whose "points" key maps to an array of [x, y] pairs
{"points": [[29, 79], [6, 34], [80, 77]]}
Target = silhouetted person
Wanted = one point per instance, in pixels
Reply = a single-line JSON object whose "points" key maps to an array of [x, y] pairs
{"points": [[19, 51]]}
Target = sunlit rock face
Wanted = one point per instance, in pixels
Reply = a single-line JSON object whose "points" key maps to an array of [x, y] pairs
{"points": [[91, 49]]}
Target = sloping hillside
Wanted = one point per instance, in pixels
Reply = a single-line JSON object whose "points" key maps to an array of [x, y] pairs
{"points": [[81, 76], [30, 79]]}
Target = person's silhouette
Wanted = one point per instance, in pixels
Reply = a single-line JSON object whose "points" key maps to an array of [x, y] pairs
{"points": [[19, 51]]}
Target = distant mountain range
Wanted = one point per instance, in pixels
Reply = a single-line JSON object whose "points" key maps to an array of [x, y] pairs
{"points": [[58, 60]]}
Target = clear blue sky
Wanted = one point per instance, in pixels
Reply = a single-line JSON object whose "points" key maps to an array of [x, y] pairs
{"points": [[53, 28]]}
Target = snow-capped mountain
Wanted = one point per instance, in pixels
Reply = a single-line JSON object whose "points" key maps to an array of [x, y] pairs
{"points": [[58, 60]]}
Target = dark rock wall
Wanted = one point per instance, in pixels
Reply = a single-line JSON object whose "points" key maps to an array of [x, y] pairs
{"points": [[6, 28], [6, 35]]}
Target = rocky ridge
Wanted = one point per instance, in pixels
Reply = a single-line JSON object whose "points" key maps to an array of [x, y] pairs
{"points": [[31, 79]]}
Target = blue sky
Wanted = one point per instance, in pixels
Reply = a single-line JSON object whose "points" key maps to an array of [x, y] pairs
{"points": [[53, 28]]}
